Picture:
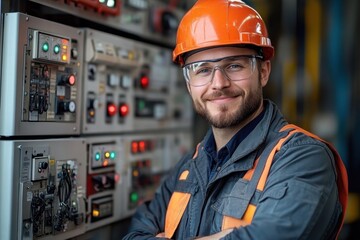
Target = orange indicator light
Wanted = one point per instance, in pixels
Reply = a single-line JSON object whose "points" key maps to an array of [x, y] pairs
{"points": [[95, 213]]}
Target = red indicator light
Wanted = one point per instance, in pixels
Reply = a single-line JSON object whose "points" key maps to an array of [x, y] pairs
{"points": [[123, 110], [65, 41], [117, 178], [72, 80], [134, 147], [111, 109], [105, 163], [142, 146], [144, 81]]}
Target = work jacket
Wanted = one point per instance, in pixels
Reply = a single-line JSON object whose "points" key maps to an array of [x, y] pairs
{"points": [[300, 199]]}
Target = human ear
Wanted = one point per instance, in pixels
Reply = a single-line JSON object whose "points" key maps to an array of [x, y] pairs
{"points": [[265, 69]]}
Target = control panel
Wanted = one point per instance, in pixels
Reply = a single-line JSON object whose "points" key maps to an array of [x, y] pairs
{"points": [[149, 161], [131, 86], [124, 171], [41, 77], [105, 181], [49, 198]]}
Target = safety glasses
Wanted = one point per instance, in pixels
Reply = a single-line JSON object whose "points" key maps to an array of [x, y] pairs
{"points": [[234, 68]]}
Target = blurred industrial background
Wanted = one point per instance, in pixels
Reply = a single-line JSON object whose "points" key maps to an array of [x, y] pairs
{"points": [[93, 111]]}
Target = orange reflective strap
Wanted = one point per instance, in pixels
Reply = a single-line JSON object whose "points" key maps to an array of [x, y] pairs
{"points": [[265, 173], [248, 175], [175, 211], [196, 151], [231, 222], [177, 205], [184, 175]]}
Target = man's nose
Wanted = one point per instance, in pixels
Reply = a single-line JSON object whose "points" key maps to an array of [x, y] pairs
{"points": [[219, 80]]}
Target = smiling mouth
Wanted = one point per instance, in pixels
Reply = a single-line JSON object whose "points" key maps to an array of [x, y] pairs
{"points": [[221, 97], [220, 100]]}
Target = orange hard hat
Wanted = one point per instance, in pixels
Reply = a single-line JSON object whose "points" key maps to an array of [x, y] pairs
{"points": [[214, 23]]}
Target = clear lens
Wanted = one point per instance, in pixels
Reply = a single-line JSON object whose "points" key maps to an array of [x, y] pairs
{"points": [[234, 68]]}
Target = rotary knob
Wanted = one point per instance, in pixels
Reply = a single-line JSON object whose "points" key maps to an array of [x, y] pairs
{"points": [[67, 107]]}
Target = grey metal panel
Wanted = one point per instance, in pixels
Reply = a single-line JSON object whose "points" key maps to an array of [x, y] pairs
{"points": [[165, 101], [153, 162], [18, 188], [15, 76]]}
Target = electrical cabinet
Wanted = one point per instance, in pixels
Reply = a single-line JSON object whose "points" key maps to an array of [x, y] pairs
{"points": [[92, 119]]}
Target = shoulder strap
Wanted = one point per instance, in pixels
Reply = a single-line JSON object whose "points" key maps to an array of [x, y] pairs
{"points": [[257, 177]]}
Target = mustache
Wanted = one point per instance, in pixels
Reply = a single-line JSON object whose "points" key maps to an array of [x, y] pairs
{"points": [[223, 93]]}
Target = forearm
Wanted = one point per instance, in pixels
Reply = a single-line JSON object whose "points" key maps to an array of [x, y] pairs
{"points": [[144, 224]]}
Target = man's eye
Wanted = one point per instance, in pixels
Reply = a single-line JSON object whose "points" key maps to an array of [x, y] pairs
{"points": [[235, 67], [203, 71]]}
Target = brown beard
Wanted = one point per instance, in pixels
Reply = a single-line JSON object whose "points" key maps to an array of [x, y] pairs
{"points": [[225, 119]]}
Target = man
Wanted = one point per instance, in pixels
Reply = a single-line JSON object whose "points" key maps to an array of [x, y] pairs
{"points": [[253, 176]]}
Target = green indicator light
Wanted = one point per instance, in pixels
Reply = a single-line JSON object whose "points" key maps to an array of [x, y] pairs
{"points": [[45, 47], [134, 197], [141, 105], [97, 156], [112, 155], [56, 49]]}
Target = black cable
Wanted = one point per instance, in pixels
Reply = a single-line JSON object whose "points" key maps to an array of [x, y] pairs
{"points": [[65, 185], [64, 192], [37, 210]]}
